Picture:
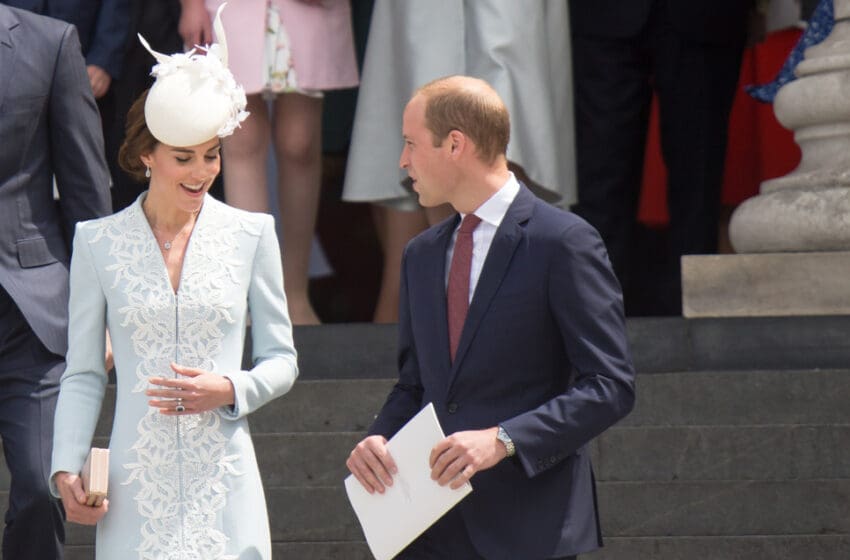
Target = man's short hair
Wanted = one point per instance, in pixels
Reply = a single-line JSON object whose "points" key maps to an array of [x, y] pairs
{"points": [[470, 106]]}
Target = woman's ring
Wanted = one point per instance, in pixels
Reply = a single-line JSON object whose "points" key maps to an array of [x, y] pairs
{"points": [[179, 408]]}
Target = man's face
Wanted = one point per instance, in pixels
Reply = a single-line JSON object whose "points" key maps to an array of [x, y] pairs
{"points": [[429, 167]]}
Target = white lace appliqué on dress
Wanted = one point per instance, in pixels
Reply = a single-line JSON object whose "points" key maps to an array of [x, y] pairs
{"points": [[181, 462]]}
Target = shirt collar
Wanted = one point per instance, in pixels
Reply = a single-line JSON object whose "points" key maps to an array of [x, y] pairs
{"points": [[494, 208]]}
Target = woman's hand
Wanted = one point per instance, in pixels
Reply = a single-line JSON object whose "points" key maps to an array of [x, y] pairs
{"points": [[70, 487], [200, 392]]}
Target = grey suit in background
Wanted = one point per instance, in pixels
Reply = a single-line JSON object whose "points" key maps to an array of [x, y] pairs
{"points": [[49, 126]]}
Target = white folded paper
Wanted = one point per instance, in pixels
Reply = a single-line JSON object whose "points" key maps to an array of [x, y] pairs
{"points": [[392, 520]]}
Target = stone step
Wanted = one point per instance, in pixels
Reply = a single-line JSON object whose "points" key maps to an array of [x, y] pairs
{"points": [[702, 453], [287, 551], [343, 405], [769, 453], [663, 399], [628, 509], [725, 508], [708, 453], [346, 405], [296, 515], [742, 398], [669, 344], [821, 547], [655, 454], [797, 547]]}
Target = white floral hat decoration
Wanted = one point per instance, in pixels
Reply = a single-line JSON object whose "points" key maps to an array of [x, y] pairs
{"points": [[194, 97]]}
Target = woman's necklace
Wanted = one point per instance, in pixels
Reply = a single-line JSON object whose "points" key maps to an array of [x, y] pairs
{"points": [[168, 243], [157, 233]]}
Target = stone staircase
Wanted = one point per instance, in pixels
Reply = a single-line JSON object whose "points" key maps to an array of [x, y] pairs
{"points": [[739, 445]]}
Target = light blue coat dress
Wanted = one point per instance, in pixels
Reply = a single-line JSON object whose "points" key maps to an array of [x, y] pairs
{"points": [[183, 487]]}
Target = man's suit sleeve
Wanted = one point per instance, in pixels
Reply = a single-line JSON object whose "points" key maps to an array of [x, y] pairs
{"points": [[405, 400], [76, 139], [109, 41], [586, 302]]}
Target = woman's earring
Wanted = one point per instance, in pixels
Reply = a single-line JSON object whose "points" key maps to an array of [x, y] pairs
{"points": [[147, 172]]}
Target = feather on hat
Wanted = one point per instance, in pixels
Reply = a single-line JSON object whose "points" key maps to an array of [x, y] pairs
{"points": [[195, 97]]}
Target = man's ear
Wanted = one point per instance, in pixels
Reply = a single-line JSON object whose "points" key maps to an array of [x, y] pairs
{"points": [[457, 142]]}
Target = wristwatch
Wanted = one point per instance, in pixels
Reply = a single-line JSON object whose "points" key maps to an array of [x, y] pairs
{"points": [[503, 436]]}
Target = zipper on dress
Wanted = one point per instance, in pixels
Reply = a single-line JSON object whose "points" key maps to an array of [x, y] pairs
{"points": [[179, 435]]}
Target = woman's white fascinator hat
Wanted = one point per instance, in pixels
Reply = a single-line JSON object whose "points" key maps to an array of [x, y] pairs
{"points": [[195, 97]]}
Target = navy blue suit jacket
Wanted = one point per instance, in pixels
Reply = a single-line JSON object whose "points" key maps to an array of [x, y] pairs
{"points": [[103, 26], [49, 126], [543, 353]]}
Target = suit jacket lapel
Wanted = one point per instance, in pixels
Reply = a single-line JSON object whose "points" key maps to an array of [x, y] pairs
{"points": [[433, 277], [8, 22], [496, 265]]}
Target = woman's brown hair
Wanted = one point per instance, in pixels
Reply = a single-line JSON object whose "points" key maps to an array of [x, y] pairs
{"points": [[138, 141]]}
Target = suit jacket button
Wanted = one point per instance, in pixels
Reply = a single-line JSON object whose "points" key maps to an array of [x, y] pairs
{"points": [[452, 408]]}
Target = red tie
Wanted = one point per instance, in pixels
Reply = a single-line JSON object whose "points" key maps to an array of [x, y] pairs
{"points": [[458, 289]]}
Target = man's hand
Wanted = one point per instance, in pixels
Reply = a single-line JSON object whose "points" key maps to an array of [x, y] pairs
{"points": [[372, 465], [99, 79], [458, 457], [70, 487], [194, 27]]}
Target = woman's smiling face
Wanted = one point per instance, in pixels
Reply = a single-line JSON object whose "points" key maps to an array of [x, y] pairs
{"points": [[183, 175]]}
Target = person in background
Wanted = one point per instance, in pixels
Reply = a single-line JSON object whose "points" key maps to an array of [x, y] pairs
{"points": [[688, 52], [103, 27], [156, 21], [49, 127], [285, 53], [521, 48]]}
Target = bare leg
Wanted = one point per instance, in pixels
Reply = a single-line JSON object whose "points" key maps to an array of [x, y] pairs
{"points": [[245, 155], [297, 140], [395, 229]]}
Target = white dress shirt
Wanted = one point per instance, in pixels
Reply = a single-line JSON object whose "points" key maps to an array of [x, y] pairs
{"points": [[492, 212]]}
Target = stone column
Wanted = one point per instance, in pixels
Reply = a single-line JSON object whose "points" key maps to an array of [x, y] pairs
{"points": [[793, 239], [808, 209]]}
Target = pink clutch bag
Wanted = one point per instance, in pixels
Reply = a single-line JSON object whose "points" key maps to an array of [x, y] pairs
{"points": [[95, 475]]}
